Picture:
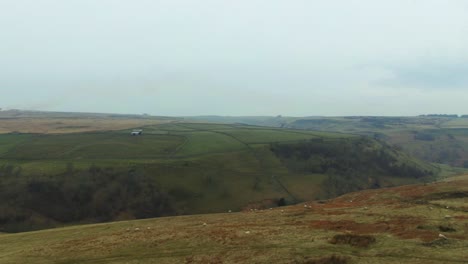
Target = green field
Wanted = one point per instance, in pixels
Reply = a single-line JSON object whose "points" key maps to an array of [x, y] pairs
{"points": [[438, 139], [163, 141], [7, 142], [92, 146]]}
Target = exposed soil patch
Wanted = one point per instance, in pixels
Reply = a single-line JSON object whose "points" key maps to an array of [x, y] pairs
{"points": [[403, 227], [364, 198], [414, 191], [335, 213]]}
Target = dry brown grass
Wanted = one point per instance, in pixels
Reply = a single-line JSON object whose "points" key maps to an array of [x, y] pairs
{"points": [[64, 125], [292, 234]]}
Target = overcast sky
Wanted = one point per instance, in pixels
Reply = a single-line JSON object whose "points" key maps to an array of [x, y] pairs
{"points": [[242, 57]]}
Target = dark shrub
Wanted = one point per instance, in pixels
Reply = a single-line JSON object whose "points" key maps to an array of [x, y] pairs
{"points": [[353, 240], [326, 260]]}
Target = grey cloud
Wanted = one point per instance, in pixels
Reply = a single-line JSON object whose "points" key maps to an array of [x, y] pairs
{"points": [[243, 57], [434, 75]]}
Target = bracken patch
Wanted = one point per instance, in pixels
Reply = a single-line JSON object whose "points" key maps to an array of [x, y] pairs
{"points": [[403, 227]]}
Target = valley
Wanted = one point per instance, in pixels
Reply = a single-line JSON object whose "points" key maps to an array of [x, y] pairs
{"points": [[180, 168]]}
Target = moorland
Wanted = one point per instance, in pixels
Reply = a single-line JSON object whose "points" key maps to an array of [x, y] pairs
{"points": [[232, 189]]}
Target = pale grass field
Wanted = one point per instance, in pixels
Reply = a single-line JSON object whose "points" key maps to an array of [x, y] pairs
{"points": [[75, 125]]}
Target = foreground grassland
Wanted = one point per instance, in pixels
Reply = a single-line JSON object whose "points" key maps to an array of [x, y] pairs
{"points": [[410, 224]]}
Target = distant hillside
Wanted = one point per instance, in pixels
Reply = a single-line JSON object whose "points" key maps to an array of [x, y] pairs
{"points": [[421, 224], [185, 168], [433, 138], [17, 121]]}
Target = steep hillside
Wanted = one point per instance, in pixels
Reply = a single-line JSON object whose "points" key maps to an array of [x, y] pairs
{"points": [[185, 168], [448, 146], [350, 164], [439, 139], [411, 224]]}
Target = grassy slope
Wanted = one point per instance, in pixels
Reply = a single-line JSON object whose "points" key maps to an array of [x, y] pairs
{"points": [[405, 221], [93, 146]]}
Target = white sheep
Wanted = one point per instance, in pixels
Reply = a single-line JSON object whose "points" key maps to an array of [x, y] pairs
{"points": [[442, 236]]}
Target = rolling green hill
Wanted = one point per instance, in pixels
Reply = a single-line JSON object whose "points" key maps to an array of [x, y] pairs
{"points": [[433, 138], [185, 168]]}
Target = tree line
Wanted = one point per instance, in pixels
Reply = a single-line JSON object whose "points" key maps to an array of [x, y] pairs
{"points": [[93, 195], [350, 164]]}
